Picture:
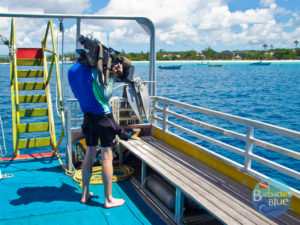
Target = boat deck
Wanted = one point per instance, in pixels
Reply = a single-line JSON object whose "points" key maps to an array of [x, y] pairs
{"points": [[40, 193], [227, 200]]}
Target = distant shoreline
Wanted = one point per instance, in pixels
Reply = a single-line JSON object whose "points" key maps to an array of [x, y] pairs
{"points": [[222, 61], [206, 61]]}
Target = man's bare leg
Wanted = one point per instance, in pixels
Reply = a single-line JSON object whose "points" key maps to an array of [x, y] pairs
{"points": [[107, 175], [86, 173]]}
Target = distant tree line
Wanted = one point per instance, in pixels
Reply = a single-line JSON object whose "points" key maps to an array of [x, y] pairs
{"points": [[210, 54], [206, 54], [4, 59]]}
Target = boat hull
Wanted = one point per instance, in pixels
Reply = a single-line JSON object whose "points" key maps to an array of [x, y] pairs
{"points": [[170, 67]]}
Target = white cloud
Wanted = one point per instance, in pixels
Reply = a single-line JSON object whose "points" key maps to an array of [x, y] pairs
{"points": [[205, 22], [49, 6], [188, 22], [174, 21], [30, 32], [251, 16], [268, 3]]}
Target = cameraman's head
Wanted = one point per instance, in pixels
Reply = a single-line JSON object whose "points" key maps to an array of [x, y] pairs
{"points": [[117, 70]]}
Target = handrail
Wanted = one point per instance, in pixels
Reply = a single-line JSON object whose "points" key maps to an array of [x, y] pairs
{"points": [[245, 121], [14, 89], [47, 89], [248, 138], [58, 83]]}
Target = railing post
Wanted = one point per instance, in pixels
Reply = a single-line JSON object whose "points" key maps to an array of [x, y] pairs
{"points": [[249, 147], [179, 202], [69, 137], [76, 113], [78, 23], [155, 103], [165, 119]]}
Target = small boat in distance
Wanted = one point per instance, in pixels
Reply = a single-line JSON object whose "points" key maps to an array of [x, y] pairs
{"points": [[214, 65], [202, 63], [170, 67], [260, 63]]}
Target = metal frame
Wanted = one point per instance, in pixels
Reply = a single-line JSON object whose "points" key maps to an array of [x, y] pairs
{"points": [[144, 22]]}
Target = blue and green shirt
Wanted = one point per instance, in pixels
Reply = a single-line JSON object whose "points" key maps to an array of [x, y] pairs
{"points": [[91, 95]]}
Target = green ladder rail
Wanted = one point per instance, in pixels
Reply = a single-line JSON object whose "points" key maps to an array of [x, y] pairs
{"points": [[35, 60]]}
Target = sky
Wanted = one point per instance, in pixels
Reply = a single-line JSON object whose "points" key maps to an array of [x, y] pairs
{"points": [[181, 25]]}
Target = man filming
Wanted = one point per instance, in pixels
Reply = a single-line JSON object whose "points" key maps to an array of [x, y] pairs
{"points": [[93, 97]]}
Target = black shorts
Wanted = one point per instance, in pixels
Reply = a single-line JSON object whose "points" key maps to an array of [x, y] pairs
{"points": [[103, 127]]}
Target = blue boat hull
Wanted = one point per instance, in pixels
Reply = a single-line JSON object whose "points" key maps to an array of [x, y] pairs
{"points": [[170, 67]]}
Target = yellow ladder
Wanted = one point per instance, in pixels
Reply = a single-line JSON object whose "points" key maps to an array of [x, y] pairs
{"points": [[30, 80]]}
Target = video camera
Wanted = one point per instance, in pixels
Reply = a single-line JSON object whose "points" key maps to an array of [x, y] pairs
{"points": [[88, 50]]}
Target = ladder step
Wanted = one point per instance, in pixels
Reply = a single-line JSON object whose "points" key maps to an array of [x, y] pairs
{"points": [[32, 86], [30, 73], [29, 62], [34, 142], [34, 127], [32, 99], [33, 112], [30, 53]]}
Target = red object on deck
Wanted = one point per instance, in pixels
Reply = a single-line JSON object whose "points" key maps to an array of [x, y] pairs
{"points": [[29, 53], [30, 156]]}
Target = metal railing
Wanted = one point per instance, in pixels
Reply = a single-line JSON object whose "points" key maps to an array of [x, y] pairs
{"points": [[72, 120], [54, 62], [250, 141], [248, 138]]}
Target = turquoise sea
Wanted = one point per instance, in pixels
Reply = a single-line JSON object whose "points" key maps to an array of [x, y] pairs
{"points": [[269, 94]]}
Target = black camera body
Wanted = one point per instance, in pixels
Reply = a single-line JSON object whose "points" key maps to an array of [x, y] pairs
{"points": [[88, 50]]}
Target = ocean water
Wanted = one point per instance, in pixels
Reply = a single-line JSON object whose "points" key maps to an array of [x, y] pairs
{"points": [[269, 94]]}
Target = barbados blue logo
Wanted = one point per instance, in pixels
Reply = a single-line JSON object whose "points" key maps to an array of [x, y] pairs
{"points": [[271, 197]]}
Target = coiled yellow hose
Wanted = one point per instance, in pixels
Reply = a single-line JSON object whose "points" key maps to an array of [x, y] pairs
{"points": [[96, 176]]}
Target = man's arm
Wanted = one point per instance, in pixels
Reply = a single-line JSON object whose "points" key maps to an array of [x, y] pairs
{"points": [[105, 91]]}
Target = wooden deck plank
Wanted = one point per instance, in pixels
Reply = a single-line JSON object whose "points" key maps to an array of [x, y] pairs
{"points": [[203, 190], [235, 189], [144, 155], [215, 190], [247, 214]]}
